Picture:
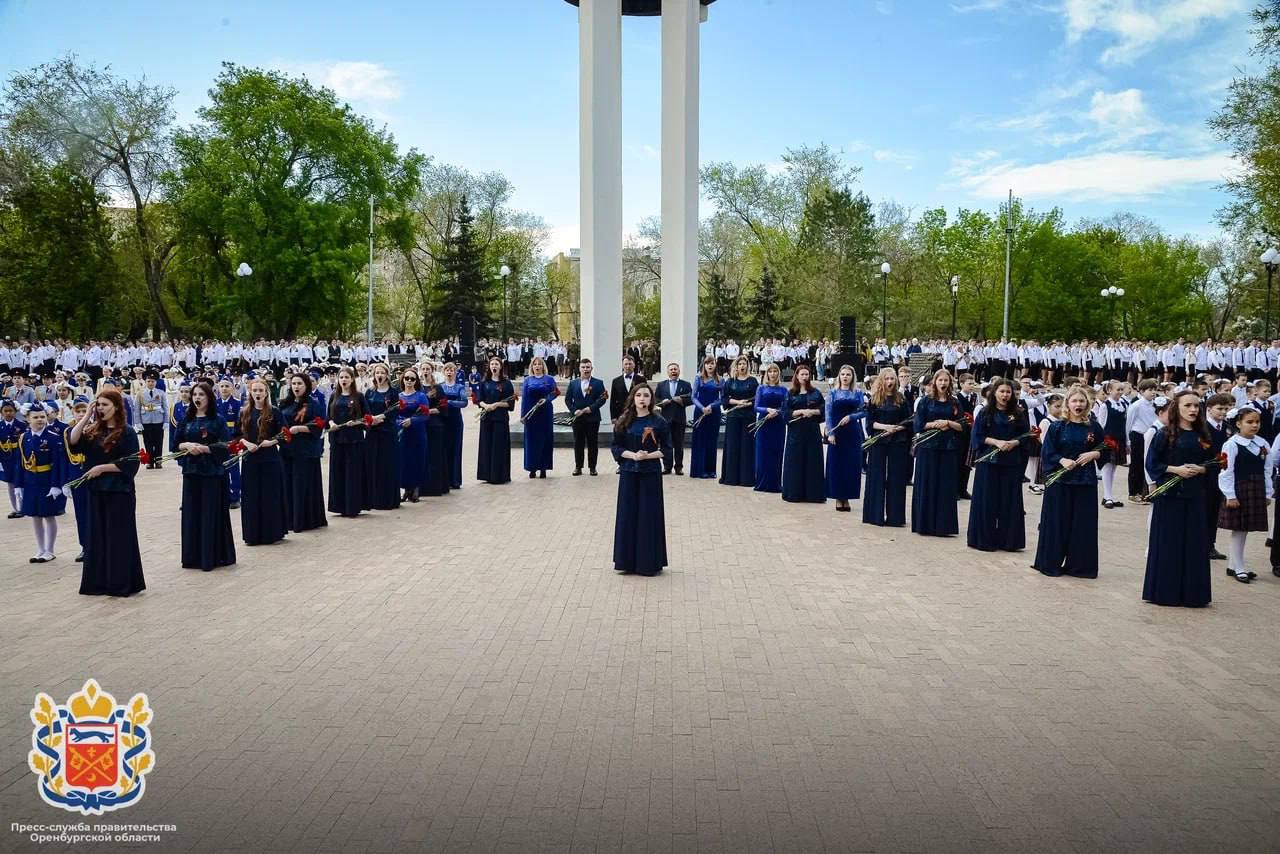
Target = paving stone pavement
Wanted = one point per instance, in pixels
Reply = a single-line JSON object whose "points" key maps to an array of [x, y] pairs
{"points": [[468, 674]]}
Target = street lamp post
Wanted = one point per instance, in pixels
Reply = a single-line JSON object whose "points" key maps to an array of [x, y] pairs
{"points": [[504, 273], [1112, 294], [368, 324], [885, 269], [1269, 259], [955, 299]]}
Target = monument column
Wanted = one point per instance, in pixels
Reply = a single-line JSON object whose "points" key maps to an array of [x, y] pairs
{"points": [[680, 19], [600, 148]]}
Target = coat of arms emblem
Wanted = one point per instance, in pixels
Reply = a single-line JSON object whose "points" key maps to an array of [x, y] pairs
{"points": [[91, 755]]}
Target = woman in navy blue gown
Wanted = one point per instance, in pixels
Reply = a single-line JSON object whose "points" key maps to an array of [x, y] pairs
{"points": [[641, 438], [996, 517], [495, 398], [304, 419], [737, 400], [846, 407], [459, 395], [112, 563], [536, 412], [937, 466], [411, 424], [1068, 542], [1178, 547], [262, 516], [888, 415], [707, 406], [802, 476], [771, 397], [346, 447], [439, 471], [382, 450], [206, 507]]}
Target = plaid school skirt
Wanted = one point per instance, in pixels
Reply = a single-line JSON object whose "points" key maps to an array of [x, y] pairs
{"points": [[1251, 515]]}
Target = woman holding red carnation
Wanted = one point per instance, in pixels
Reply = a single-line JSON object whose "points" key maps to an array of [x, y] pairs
{"points": [[439, 470], [381, 466], [411, 421], [207, 541], [262, 504], [346, 447], [937, 470], [303, 426], [112, 562], [996, 517], [1178, 549], [1068, 543]]}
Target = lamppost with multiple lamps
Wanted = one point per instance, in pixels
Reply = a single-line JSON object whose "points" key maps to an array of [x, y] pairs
{"points": [[955, 299], [1269, 259], [1112, 294], [504, 273]]}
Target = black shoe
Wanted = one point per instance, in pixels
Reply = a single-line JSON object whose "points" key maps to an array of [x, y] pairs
{"points": [[235, 505], [1275, 570], [679, 472], [1252, 575], [577, 472], [1268, 542], [1117, 503], [1108, 503], [964, 493], [15, 515], [532, 475], [542, 474], [35, 560], [1214, 554], [1242, 577], [80, 557], [594, 472], [666, 471]]}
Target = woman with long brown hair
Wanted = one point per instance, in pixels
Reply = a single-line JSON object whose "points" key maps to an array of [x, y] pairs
{"points": [[996, 517], [381, 469], [112, 563], [304, 419], [803, 478], [411, 421], [937, 469], [262, 516], [641, 439], [207, 541], [707, 407], [346, 446], [494, 397], [1178, 545]]}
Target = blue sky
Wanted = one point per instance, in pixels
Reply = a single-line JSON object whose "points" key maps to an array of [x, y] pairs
{"points": [[1091, 105]]}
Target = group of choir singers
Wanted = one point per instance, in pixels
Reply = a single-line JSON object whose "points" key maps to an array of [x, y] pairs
{"points": [[394, 443]]}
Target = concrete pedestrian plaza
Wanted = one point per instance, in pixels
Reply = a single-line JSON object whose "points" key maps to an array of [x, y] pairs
{"points": [[468, 674]]}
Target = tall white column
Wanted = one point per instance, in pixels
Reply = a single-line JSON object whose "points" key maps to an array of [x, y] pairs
{"points": [[600, 148], [680, 20]]}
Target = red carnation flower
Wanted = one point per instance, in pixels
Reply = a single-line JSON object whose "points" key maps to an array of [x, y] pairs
{"points": [[287, 435], [1111, 443], [368, 421], [144, 458], [318, 422], [1205, 445], [1035, 431], [402, 406], [424, 409], [1089, 439], [1222, 459]]}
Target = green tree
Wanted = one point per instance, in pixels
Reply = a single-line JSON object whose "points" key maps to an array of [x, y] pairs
{"points": [[720, 315], [464, 289], [765, 306], [278, 174]]}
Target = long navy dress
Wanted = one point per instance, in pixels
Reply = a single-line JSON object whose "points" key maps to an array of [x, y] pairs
{"points": [[803, 478], [493, 465], [996, 518], [347, 456], [844, 458], [937, 469], [207, 541], [770, 437], [382, 451], [538, 445], [640, 526], [304, 491], [888, 467], [411, 422], [262, 502], [1178, 549], [702, 447], [738, 466], [439, 471], [112, 563], [1068, 542], [459, 395]]}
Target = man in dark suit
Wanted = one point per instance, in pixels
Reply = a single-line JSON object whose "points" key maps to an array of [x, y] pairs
{"points": [[674, 396], [622, 387], [584, 398]]}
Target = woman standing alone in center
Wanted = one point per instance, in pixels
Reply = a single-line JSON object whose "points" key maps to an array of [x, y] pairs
{"points": [[640, 441], [206, 506]]}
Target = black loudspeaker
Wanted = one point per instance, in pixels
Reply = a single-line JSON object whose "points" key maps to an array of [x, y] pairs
{"points": [[467, 339], [848, 333]]}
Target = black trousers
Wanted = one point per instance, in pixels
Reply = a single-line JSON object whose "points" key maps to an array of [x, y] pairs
{"points": [[1212, 502], [586, 435], [676, 454], [1137, 465], [153, 440]]}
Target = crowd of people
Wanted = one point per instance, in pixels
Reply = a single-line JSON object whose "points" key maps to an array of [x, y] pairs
{"points": [[250, 435]]}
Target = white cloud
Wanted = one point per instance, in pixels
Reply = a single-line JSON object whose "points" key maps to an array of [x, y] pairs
{"points": [[1109, 176], [1137, 25], [1121, 117], [978, 6], [562, 238], [884, 7], [351, 81], [1033, 121], [894, 158]]}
